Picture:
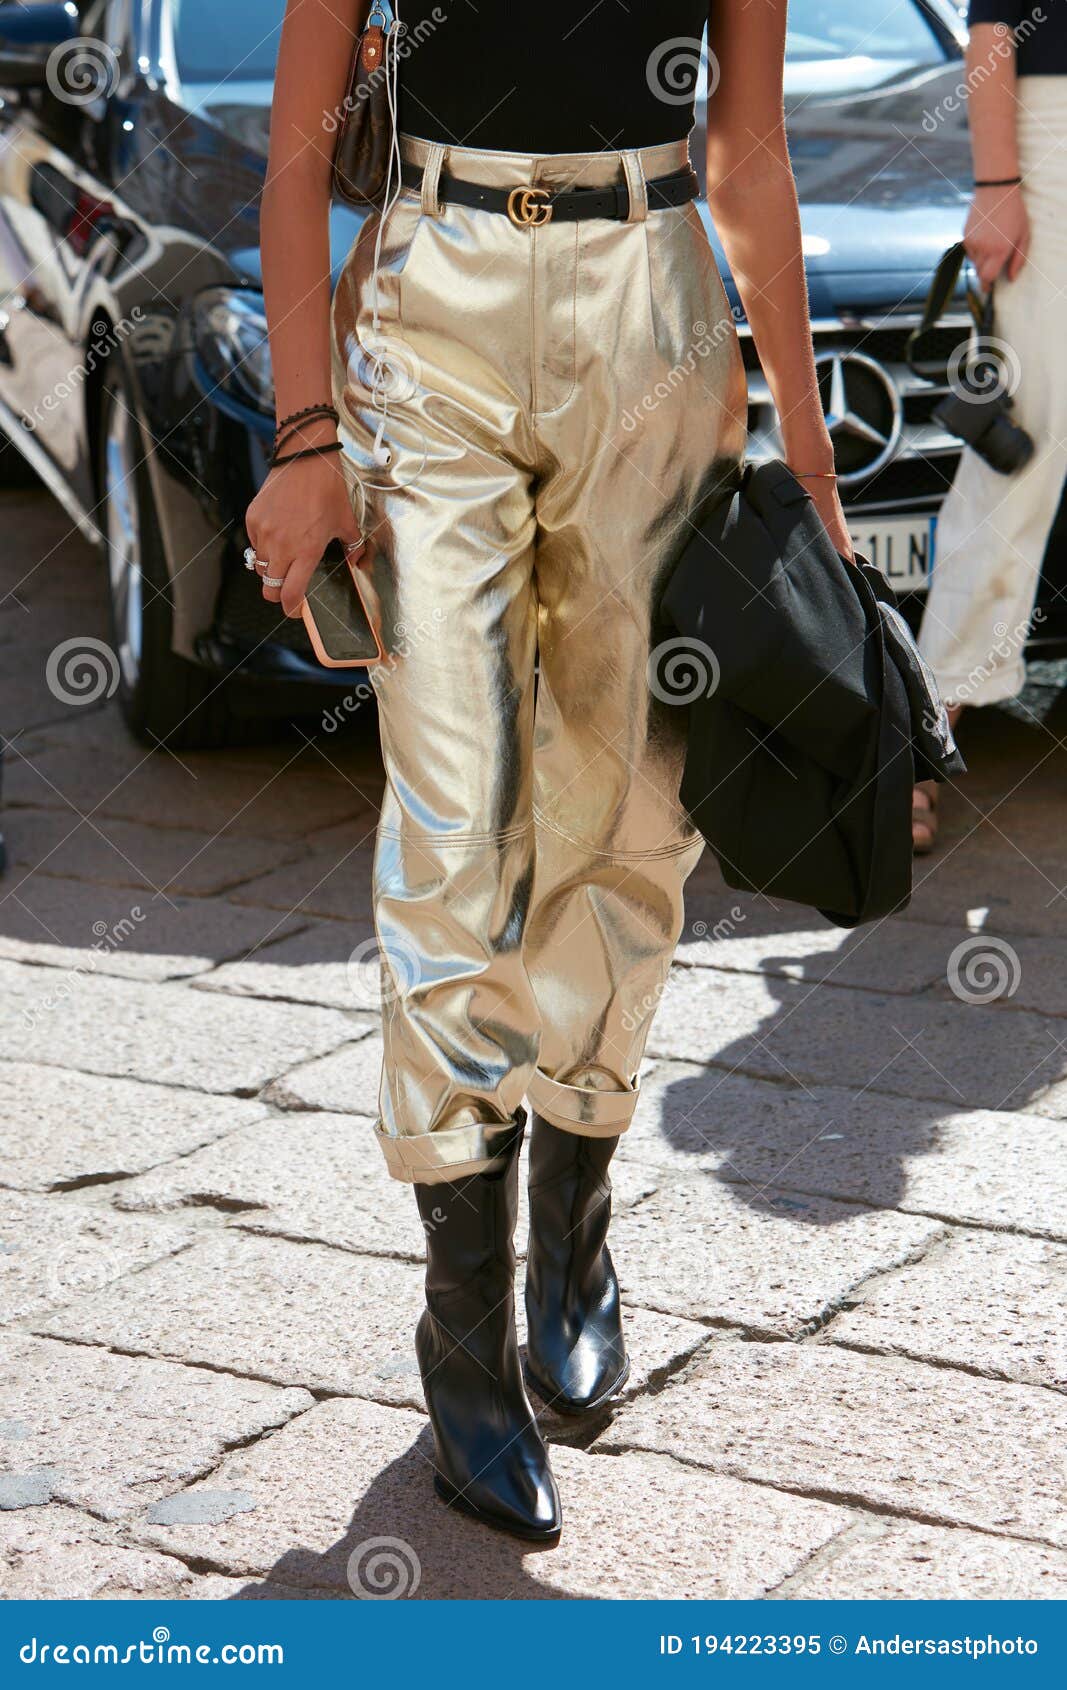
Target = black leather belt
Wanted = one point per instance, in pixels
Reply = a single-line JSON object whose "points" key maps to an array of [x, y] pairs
{"points": [[531, 207]]}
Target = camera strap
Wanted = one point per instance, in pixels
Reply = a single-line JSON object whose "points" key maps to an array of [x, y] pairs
{"points": [[942, 290]]}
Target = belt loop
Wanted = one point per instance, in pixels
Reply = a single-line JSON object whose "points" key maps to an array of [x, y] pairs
{"points": [[635, 181], [431, 179]]}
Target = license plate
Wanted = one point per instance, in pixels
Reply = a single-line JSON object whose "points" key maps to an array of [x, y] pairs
{"points": [[902, 547]]}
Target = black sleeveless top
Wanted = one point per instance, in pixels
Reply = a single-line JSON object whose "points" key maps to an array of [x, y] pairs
{"points": [[548, 77]]}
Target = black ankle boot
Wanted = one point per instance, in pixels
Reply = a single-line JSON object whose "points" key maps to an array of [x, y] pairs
{"points": [[575, 1352], [491, 1460]]}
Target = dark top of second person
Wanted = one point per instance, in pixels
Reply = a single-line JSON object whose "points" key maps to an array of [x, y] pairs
{"points": [[1040, 32]]}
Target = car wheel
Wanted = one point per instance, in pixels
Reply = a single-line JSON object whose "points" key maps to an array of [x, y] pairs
{"points": [[165, 699]]}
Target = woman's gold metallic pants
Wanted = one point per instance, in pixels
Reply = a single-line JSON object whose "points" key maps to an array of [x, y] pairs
{"points": [[560, 398]]}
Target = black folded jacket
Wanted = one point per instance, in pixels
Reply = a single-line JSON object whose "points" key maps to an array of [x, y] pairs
{"points": [[801, 760]]}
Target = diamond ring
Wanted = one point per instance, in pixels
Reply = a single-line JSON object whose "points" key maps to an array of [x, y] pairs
{"points": [[250, 557], [272, 580]]}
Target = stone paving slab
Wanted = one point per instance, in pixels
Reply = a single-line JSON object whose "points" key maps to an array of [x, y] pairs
{"points": [[111, 852], [1019, 884], [114, 1433], [873, 1430], [329, 962], [63, 1128], [333, 883], [956, 1053], [160, 1032], [319, 1178], [889, 956], [769, 1261], [346, 1081], [329, 1488], [980, 1300], [146, 936], [122, 779], [999, 1168], [53, 1250], [299, 1314], [903, 1560], [26, 673], [56, 1554], [748, 934]]}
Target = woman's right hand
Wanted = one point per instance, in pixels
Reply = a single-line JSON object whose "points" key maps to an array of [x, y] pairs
{"points": [[298, 510], [997, 236]]}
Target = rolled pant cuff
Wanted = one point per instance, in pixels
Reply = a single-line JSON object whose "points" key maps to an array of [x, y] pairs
{"points": [[455, 1153], [582, 1110]]}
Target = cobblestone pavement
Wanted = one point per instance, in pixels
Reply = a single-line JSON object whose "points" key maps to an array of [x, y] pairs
{"points": [[841, 1213]]}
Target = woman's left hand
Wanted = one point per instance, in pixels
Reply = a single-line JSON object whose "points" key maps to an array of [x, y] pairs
{"points": [[828, 504]]}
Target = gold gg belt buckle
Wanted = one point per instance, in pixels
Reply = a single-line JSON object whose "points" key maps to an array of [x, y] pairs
{"points": [[529, 208]]}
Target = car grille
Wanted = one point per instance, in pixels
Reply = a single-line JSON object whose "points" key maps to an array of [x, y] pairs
{"points": [[919, 470]]}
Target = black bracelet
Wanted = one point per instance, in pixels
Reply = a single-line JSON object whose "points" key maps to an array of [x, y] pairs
{"points": [[302, 416], [283, 436], [1002, 182], [308, 452]]}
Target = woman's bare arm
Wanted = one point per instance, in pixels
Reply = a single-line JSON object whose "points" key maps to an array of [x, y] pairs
{"points": [[302, 506], [753, 200], [998, 228]]}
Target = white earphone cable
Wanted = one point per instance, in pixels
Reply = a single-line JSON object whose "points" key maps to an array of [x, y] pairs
{"points": [[379, 383]]}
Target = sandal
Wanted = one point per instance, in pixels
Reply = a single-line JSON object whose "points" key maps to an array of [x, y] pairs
{"points": [[924, 818]]}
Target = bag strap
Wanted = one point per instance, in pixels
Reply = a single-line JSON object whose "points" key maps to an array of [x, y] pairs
{"points": [[941, 291]]}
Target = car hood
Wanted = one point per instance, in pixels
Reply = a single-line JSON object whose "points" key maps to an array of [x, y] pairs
{"points": [[882, 171]]}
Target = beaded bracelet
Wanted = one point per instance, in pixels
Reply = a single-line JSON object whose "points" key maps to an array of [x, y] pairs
{"points": [[324, 410]]}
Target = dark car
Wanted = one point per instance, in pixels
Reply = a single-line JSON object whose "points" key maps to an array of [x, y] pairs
{"points": [[134, 372]]}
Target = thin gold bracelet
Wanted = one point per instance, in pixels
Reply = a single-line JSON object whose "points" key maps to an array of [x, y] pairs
{"points": [[815, 474]]}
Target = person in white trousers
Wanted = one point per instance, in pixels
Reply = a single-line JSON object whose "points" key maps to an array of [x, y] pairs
{"points": [[994, 528]]}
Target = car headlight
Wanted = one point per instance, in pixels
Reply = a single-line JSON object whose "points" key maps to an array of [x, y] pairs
{"points": [[230, 335]]}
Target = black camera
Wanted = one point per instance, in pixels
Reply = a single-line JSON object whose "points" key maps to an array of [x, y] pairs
{"points": [[977, 409], [983, 421]]}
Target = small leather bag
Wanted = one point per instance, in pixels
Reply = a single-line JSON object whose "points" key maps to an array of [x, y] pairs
{"points": [[365, 138]]}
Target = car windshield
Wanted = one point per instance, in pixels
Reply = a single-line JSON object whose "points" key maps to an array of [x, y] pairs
{"points": [[832, 44], [238, 39], [839, 46]]}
